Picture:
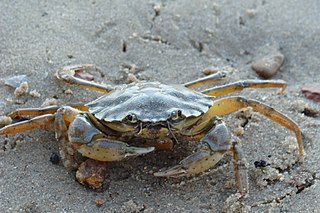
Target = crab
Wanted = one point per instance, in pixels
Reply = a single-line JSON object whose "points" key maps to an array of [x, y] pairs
{"points": [[154, 114]]}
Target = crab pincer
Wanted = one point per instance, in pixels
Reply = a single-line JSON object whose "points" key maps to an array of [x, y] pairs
{"points": [[213, 147], [108, 150]]}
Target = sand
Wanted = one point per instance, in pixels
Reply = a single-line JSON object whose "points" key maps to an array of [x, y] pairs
{"points": [[170, 42]]}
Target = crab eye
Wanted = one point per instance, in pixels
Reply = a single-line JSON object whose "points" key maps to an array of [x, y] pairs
{"points": [[132, 118], [175, 115]]}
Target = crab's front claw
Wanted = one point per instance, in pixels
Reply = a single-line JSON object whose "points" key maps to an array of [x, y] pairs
{"points": [[132, 151], [214, 145], [109, 150], [197, 162]]}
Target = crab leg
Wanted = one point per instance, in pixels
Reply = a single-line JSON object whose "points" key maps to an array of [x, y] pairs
{"points": [[206, 80], [33, 111], [33, 123], [214, 145], [240, 168], [42, 111], [231, 104], [66, 150], [38, 121], [68, 73], [240, 85]]}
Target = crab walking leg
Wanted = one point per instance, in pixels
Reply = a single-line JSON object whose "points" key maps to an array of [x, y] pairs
{"points": [[33, 123], [42, 111], [214, 145], [67, 152], [240, 85], [240, 168], [206, 80], [68, 73], [231, 104], [38, 121], [89, 172]]}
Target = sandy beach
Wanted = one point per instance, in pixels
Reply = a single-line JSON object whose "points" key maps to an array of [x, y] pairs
{"points": [[171, 42]]}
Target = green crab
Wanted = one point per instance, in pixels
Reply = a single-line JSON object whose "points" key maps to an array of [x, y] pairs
{"points": [[155, 114]]}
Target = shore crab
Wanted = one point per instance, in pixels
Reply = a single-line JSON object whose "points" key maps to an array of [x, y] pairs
{"points": [[155, 114]]}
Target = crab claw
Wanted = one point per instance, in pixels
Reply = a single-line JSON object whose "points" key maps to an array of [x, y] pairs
{"points": [[108, 150], [193, 164], [132, 151], [215, 144]]}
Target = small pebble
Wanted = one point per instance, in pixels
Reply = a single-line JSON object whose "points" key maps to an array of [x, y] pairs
{"points": [[239, 131], [251, 12], [210, 70], [129, 68], [35, 94], [157, 9], [311, 92], [54, 158], [132, 78], [22, 89], [99, 202], [5, 120], [68, 91], [261, 163], [268, 66]]}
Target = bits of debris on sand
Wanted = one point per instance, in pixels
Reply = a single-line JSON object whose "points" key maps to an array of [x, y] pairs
{"points": [[99, 201], [68, 92], [132, 78], [239, 131], [129, 68], [131, 206], [10, 144], [5, 120], [157, 8], [22, 89], [246, 115], [266, 174], [49, 102], [302, 106], [35, 93], [302, 180], [281, 162], [234, 204], [284, 160], [311, 110]]}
